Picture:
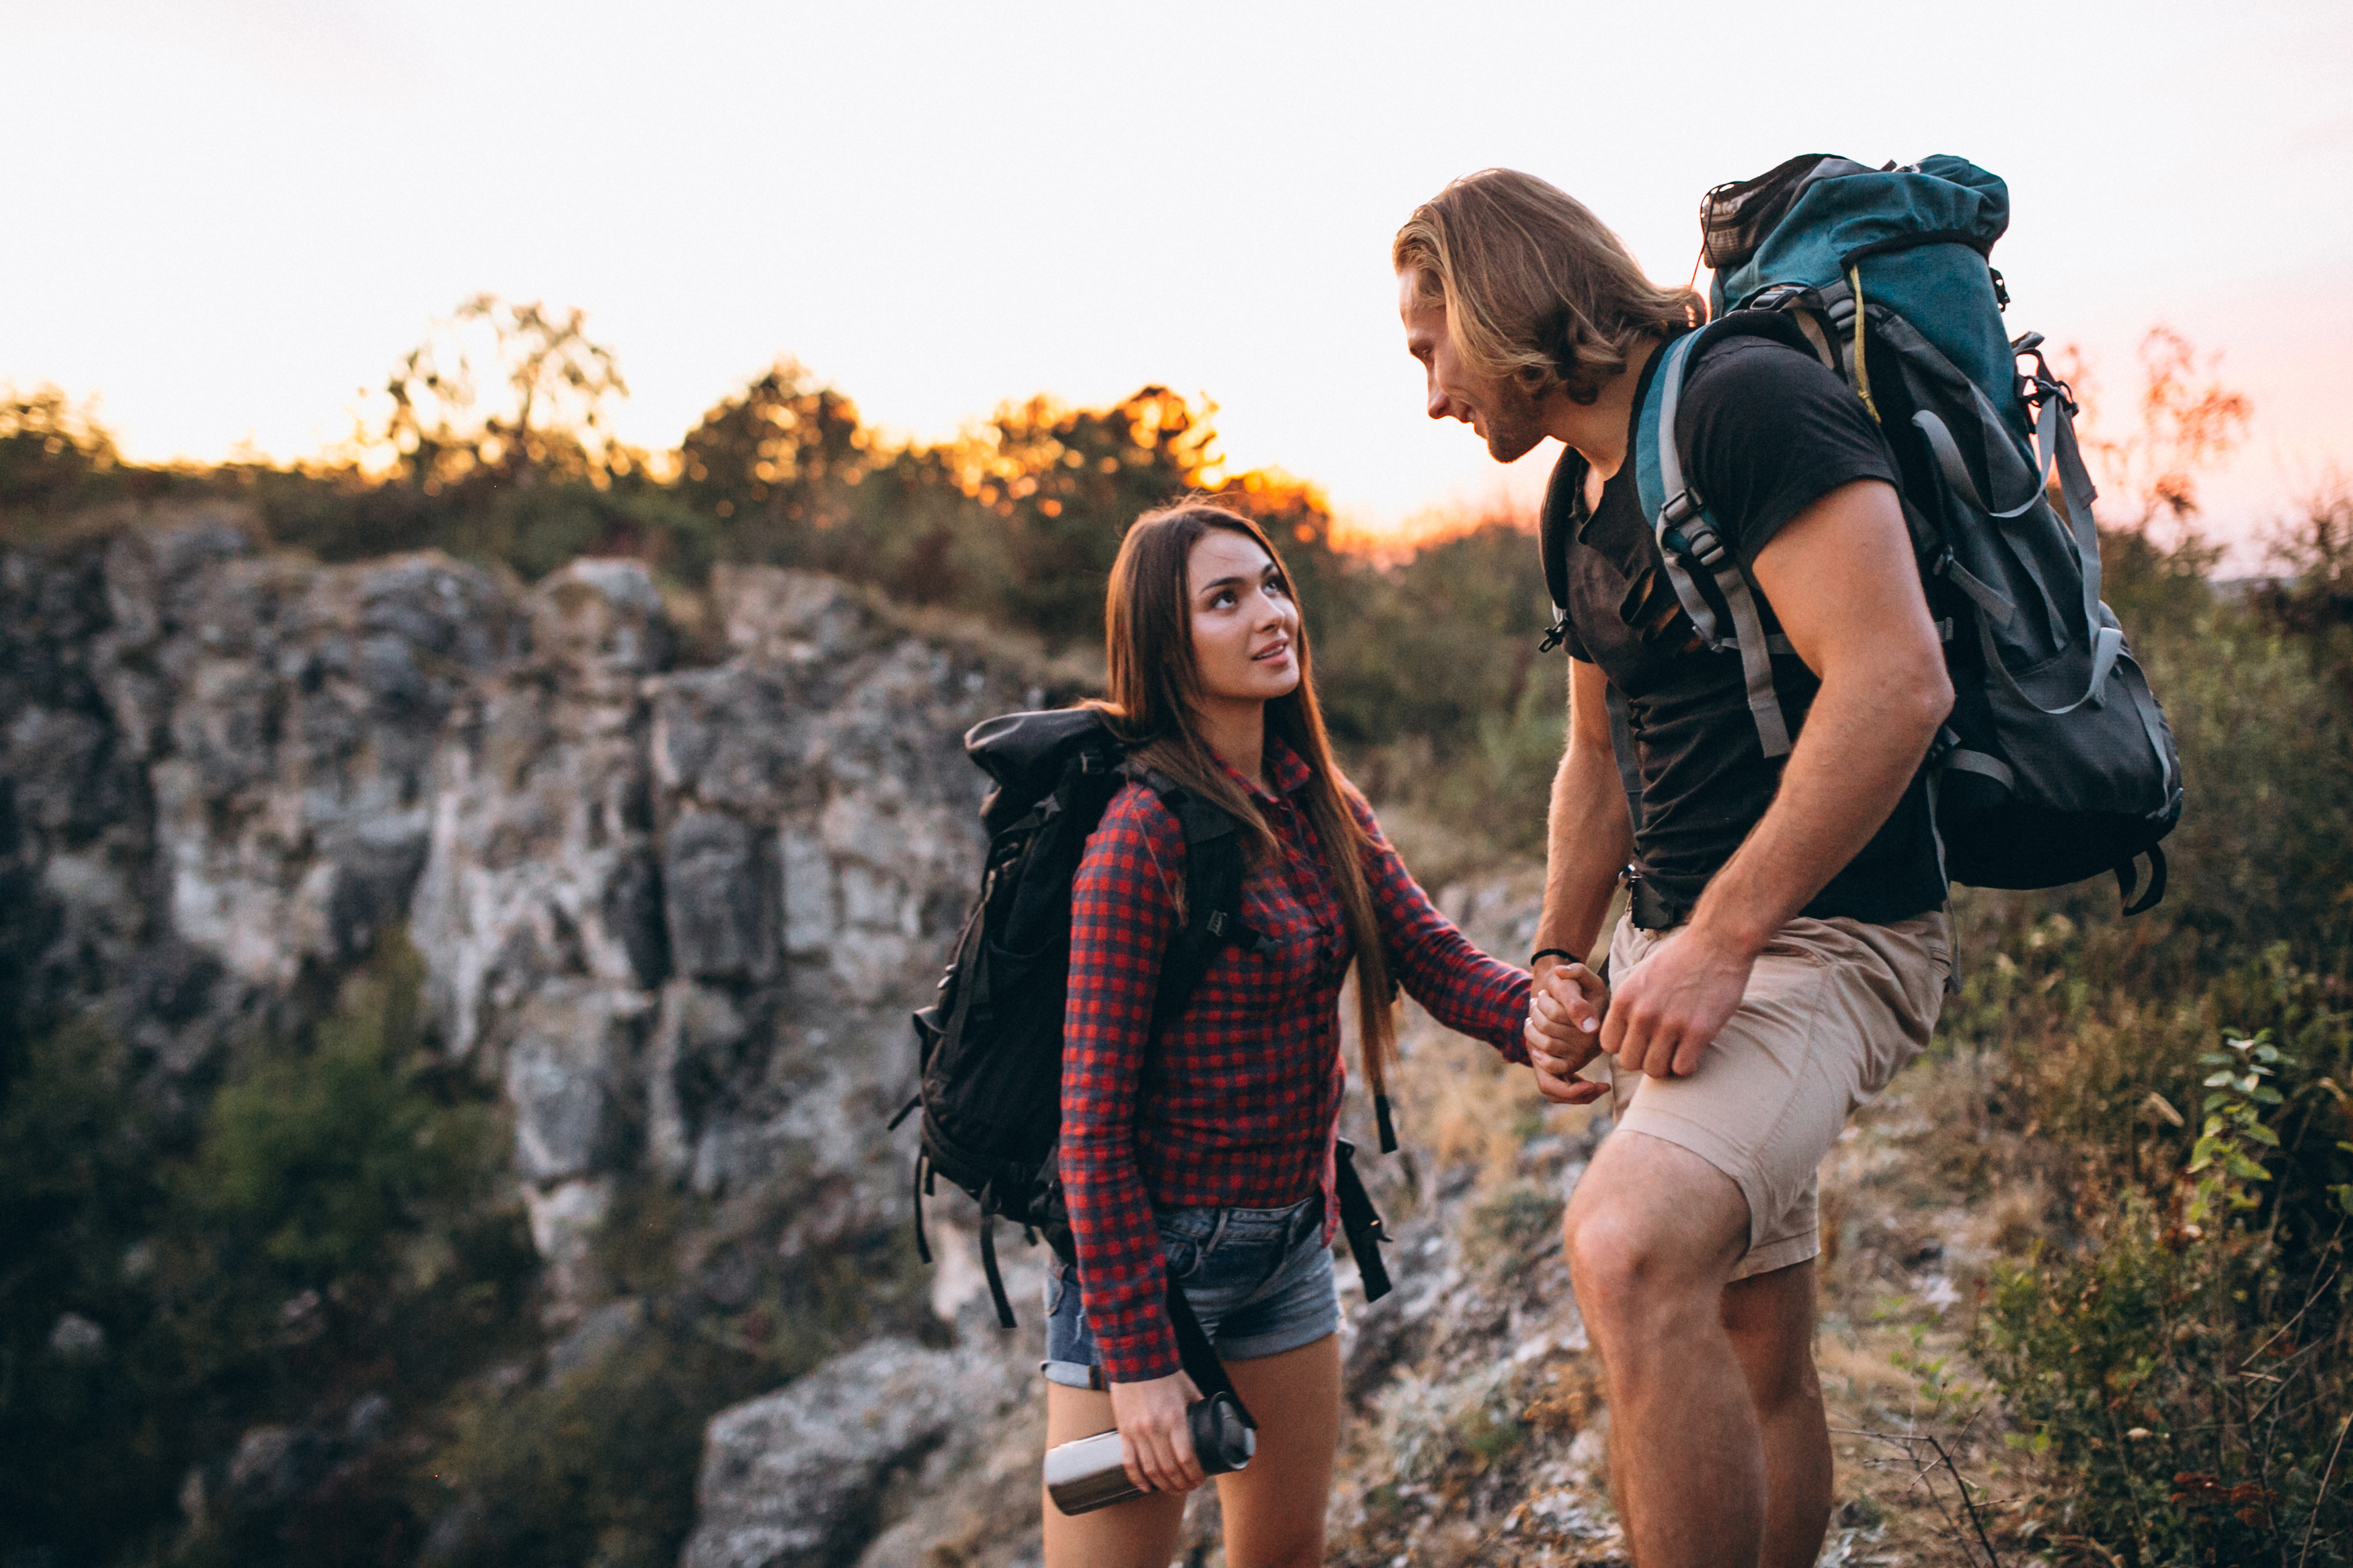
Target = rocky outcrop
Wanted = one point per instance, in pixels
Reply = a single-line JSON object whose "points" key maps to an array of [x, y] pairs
{"points": [[800, 1479], [676, 914], [218, 764]]}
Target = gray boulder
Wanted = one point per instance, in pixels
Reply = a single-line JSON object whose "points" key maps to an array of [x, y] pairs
{"points": [[795, 1479]]}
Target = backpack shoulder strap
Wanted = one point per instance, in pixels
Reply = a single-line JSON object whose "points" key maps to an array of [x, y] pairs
{"points": [[1563, 515], [1214, 870], [1690, 540]]}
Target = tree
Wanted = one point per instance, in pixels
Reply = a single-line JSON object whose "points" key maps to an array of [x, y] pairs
{"points": [[1063, 486], [774, 464], [2189, 422], [51, 451], [503, 393]]}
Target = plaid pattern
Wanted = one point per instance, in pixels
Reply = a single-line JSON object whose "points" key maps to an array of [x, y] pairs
{"points": [[1238, 1105]]}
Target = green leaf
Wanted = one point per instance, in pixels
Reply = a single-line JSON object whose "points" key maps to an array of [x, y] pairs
{"points": [[2244, 1168], [2343, 1192], [2267, 1095], [2267, 1053], [2262, 1135], [2216, 1081]]}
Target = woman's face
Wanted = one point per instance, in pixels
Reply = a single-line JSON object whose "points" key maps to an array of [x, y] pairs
{"points": [[1244, 624]]}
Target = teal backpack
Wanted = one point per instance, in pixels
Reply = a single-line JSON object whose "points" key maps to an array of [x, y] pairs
{"points": [[2057, 762]]}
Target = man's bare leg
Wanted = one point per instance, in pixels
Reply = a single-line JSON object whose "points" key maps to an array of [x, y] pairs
{"points": [[1653, 1232], [1770, 1320]]}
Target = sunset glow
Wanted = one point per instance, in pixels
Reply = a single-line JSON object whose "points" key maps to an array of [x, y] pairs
{"points": [[254, 207]]}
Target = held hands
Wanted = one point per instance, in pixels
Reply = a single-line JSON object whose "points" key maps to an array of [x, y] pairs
{"points": [[1155, 1443], [1669, 1007], [1563, 1032]]}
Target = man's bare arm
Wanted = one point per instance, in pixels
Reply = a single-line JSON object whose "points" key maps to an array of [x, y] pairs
{"points": [[1589, 839], [1841, 578]]}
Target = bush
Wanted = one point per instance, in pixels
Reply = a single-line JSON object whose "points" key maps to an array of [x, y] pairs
{"points": [[330, 1229], [2187, 1375]]}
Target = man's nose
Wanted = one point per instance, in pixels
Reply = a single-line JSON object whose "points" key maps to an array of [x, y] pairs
{"points": [[1442, 405]]}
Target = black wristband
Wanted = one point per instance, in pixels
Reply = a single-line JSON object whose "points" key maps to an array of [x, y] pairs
{"points": [[1553, 953]]}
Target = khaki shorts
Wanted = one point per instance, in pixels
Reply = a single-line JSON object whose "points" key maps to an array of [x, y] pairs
{"points": [[1833, 1010]]}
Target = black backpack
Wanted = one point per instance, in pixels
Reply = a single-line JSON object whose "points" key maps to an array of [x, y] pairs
{"points": [[990, 1049]]}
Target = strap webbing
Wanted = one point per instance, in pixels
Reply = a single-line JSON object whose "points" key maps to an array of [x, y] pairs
{"points": [[2148, 900], [923, 1245], [989, 1259], [1200, 1360], [1985, 767], [1360, 1221], [1747, 625]]}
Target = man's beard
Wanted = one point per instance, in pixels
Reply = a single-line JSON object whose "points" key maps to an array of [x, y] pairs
{"points": [[1514, 424]]}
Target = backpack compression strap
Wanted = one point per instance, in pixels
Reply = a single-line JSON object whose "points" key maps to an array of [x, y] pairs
{"points": [[1688, 537]]}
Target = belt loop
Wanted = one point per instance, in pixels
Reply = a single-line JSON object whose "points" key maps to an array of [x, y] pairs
{"points": [[1217, 1232]]}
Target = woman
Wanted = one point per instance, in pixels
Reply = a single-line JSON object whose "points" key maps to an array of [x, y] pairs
{"points": [[1207, 1151]]}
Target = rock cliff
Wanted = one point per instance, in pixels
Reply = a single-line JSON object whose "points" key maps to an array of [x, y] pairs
{"points": [[677, 911]]}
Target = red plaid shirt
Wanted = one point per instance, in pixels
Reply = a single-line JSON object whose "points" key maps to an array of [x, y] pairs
{"points": [[1238, 1104]]}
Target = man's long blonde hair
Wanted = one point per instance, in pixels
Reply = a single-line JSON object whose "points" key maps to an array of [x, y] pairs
{"points": [[1534, 286]]}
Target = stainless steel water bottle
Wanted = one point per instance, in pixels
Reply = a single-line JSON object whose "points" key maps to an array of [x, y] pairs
{"points": [[1085, 1474]]}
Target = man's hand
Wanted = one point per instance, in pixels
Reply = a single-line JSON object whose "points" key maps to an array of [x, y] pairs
{"points": [[1668, 1007], [1563, 1032], [1155, 1443]]}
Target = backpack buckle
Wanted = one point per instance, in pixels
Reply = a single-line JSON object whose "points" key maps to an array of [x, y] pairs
{"points": [[1686, 529]]}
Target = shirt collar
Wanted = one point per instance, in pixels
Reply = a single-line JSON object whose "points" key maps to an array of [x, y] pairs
{"points": [[1289, 770]]}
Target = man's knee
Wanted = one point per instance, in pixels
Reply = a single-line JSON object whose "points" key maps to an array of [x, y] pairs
{"points": [[1631, 1267], [1651, 1227]]}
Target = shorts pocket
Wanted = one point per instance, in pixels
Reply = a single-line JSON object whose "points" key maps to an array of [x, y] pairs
{"points": [[1183, 1254]]}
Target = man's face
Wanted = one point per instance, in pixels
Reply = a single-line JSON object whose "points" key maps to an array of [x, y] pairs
{"points": [[1501, 411]]}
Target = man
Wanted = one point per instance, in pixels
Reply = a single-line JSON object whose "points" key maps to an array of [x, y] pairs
{"points": [[1786, 950]]}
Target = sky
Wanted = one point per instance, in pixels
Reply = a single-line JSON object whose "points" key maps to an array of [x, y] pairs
{"points": [[229, 217]]}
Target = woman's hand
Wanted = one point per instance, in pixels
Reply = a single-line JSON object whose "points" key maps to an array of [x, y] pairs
{"points": [[1563, 1032], [1155, 1443]]}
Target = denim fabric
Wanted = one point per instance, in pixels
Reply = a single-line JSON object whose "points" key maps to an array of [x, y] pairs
{"points": [[1258, 1280]]}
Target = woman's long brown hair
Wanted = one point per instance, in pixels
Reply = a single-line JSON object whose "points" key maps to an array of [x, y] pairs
{"points": [[1154, 684]]}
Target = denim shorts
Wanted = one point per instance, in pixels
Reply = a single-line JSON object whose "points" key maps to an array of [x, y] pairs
{"points": [[1258, 1280]]}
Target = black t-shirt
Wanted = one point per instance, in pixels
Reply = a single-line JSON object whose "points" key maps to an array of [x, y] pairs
{"points": [[1767, 431]]}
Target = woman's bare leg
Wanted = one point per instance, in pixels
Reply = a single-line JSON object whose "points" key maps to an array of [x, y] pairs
{"points": [[1274, 1509], [1140, 1534]]}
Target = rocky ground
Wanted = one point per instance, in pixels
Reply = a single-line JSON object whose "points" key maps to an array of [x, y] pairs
{"points": [[1476, 1429]]}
